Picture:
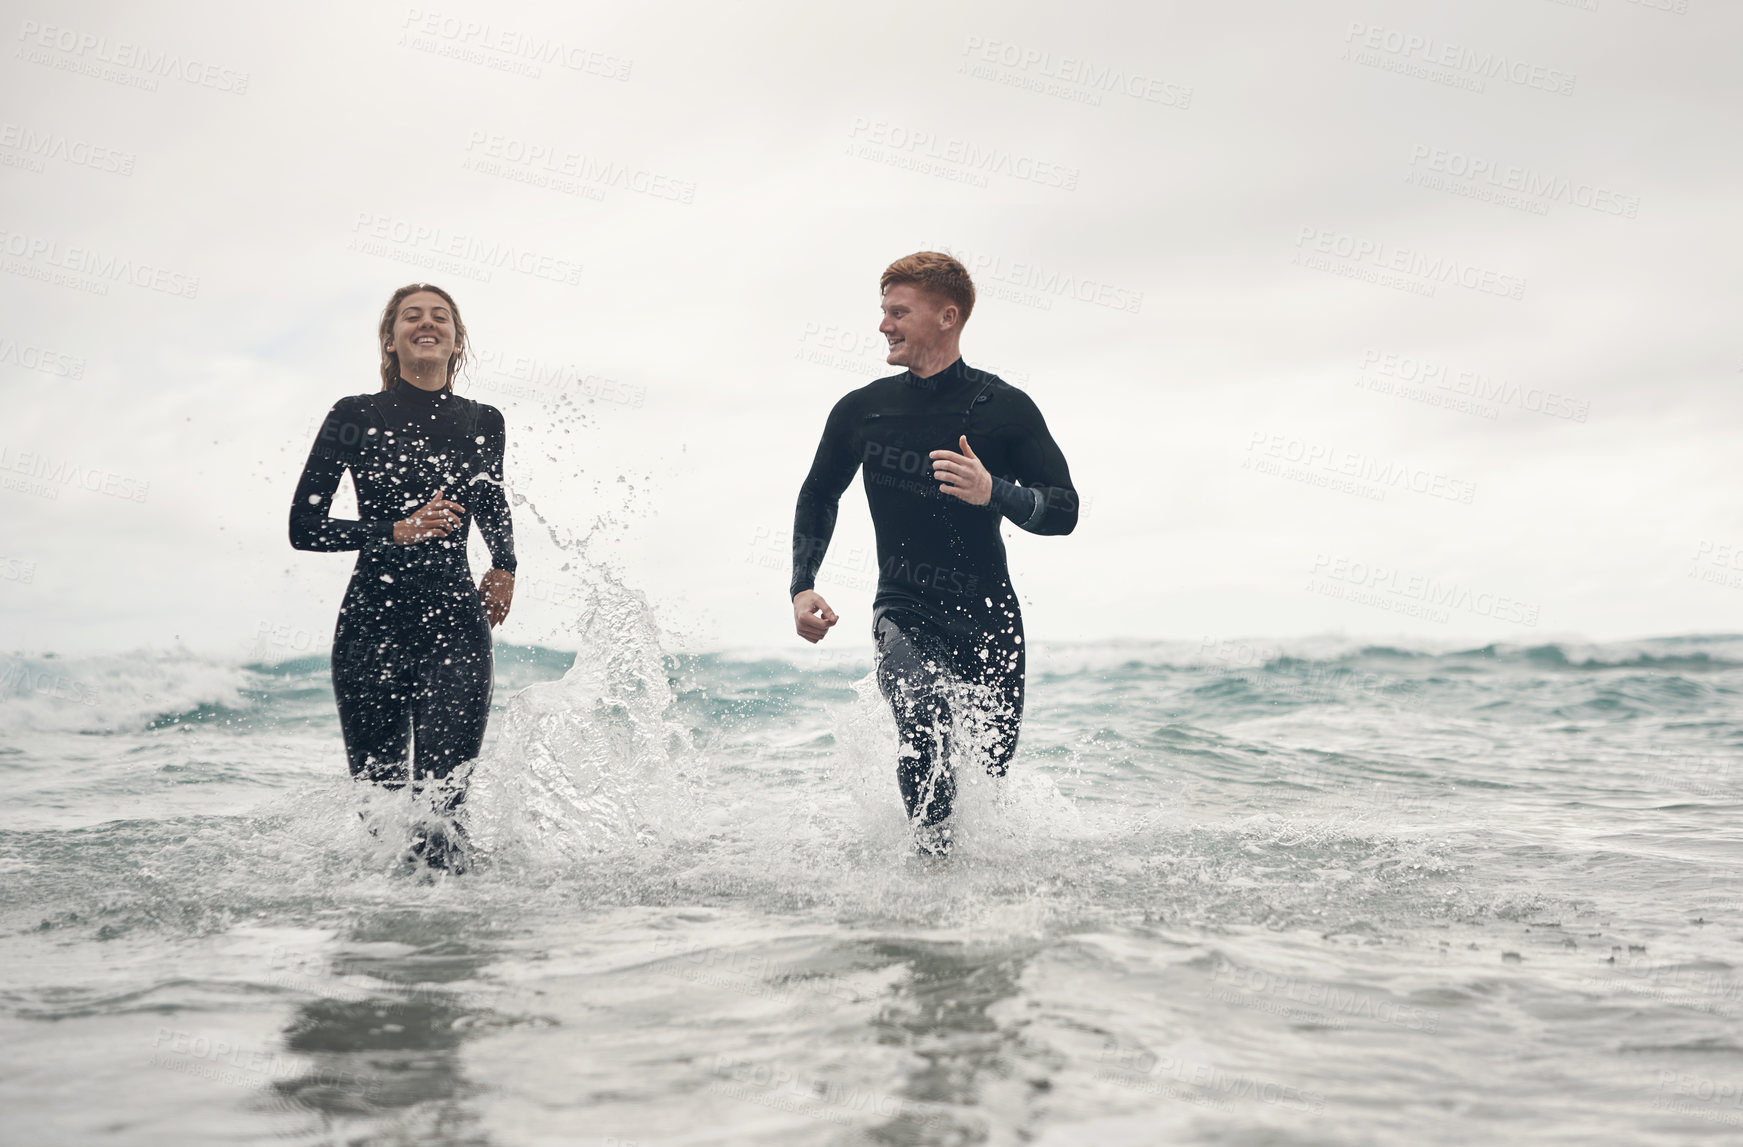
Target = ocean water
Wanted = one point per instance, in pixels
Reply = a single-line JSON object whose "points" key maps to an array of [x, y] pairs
{"points": [[1312, 892]]}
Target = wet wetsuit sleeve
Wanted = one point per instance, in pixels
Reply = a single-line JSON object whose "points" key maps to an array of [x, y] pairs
{"points": [[1046, 501], [489, 496], [820, 495], [311, 525]]}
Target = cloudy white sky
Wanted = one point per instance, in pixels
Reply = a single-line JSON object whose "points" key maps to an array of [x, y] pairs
{"points": [[1389, 319]]}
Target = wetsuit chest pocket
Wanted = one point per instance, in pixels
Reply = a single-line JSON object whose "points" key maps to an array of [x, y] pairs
{"points": [[902, 444]]}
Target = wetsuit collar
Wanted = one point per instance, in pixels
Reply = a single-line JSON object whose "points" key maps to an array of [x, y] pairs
{"points": [[944, 379], [406, 392]]}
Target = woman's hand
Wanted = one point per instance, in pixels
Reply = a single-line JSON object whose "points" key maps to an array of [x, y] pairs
{"points": [[497, 590], [435, 519]]}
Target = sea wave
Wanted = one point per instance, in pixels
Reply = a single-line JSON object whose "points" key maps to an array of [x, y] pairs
{"points": [[157, 688]]}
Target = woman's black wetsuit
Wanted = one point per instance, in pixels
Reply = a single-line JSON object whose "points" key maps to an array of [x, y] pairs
{"points": [[411, 653], [948, 628]]}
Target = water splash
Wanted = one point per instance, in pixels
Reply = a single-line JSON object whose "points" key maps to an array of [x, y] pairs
{"points": [[994, 817], [585, 765]]}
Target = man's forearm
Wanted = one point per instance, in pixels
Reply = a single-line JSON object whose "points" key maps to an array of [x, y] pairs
{"points": [[1018, 503], [813, 525]]}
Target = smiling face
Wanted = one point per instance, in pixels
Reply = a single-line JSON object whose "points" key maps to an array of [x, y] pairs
{"points": [[423, 334], [918, 325]]}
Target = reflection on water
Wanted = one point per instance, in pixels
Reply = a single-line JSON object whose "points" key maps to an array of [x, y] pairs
{"points": [[386, 1068], [941, 1014]]}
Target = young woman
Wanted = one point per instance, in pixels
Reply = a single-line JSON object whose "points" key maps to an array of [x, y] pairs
{"points": [[412, 667]]}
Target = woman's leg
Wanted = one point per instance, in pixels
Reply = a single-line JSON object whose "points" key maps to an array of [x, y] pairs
{"points": [[455, 679], [372, 686]]}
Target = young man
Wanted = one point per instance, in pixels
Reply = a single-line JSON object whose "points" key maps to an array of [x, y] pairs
{"points": [[948, 452]]}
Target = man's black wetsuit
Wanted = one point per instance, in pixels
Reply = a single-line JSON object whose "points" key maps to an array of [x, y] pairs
{"points": [[946, 621], [412, 651]]}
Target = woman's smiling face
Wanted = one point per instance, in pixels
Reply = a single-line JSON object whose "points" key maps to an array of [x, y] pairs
{"points": [[423, 333]]}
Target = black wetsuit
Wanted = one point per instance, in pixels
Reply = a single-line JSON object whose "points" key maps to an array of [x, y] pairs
{"points": [[946, 621], [412, 652]]}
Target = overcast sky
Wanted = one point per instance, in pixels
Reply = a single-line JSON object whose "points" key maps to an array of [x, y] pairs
{"points": [[1384, 319]]}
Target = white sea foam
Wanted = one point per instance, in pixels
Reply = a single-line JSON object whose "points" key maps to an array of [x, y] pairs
{"points": [[104, 693]]}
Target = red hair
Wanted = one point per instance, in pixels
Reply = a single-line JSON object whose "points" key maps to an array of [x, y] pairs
{"points": [[935, 273]]}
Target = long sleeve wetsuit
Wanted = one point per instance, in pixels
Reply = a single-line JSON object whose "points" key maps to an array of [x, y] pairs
{"points": [[412, 661], [948, 628]]}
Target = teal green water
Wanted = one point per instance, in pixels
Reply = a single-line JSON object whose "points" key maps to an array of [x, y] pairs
{"points": [[1231, 894]]}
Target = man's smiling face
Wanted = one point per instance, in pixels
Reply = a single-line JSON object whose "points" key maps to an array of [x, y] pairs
{"points": [[915, 322]]}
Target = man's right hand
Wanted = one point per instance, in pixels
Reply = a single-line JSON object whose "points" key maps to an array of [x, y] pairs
{"points": [[812, 615], [434, 519]]}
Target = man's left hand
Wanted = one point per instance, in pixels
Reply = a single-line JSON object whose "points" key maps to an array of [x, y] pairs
{"points": [[962, 475]]}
